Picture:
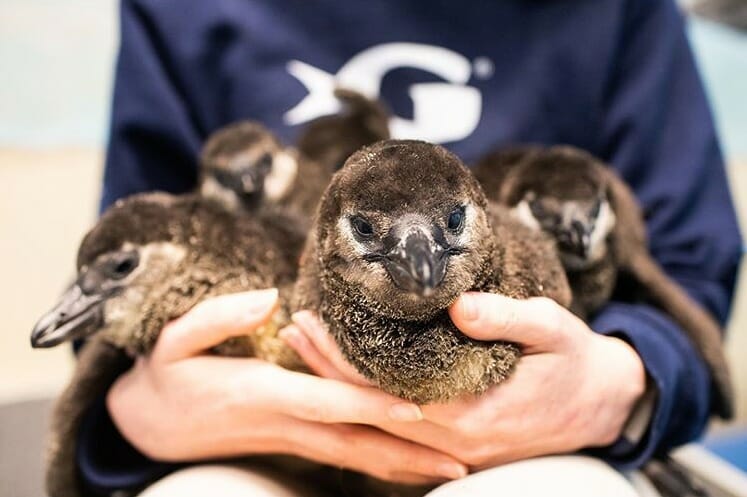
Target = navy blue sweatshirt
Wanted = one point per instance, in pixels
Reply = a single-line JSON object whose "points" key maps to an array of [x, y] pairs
{"points": [[615, 77]]}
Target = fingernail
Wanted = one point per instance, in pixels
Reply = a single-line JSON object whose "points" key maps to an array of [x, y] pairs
{"points": [[263, 299], [288, 334], [405, 412], [300, 317], [451, 470], [468, 307], [307, 322]]}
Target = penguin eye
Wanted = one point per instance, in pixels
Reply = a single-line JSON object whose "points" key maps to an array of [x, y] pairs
{"points": [[122, 264], [362, 227], [224, 178], [538, 210], [456, 219]]}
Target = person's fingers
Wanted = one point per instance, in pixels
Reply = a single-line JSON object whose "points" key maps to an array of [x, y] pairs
{"points": [[329, 401], [534, 323], [373, 452], [319, 364], [427, 433], [316, 332], [213, 321]]}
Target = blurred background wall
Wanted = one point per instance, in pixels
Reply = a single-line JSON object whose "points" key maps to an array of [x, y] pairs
{"points": [[56, 62]]}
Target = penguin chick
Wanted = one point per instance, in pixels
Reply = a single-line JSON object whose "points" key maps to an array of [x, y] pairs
{"points": [[236, 162], [330, 140], [600, 234], [402, 230], [148, 260], [152, 257], [243, 166], [571, 206]]}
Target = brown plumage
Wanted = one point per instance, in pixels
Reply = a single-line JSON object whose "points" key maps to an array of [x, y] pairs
{"points": [[601, 236], [403, 230], [330, 140], [148, 260]]}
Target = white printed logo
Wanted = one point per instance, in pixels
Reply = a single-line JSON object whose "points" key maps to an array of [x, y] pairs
{"points": [[443, 112]]}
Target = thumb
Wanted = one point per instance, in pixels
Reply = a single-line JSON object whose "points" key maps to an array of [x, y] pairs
{"points": [[213, 321], [534, 323]]}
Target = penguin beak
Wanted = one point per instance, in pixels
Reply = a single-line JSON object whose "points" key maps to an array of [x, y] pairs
{"points": [[247, 181], [417, 263], [575, 239], [253, 178], [77, 315], [251, 182]]}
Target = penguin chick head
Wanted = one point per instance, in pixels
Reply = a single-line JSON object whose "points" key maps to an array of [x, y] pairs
{"points": [[563, 191], [404, 225], [129, 252], [244, 164]]}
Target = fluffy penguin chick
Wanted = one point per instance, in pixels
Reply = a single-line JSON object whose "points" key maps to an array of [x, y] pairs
{"points": [[330, 140], [152, 257], [147, 261], [403, 230], [600, 234], [556, 191], [244, 165]]}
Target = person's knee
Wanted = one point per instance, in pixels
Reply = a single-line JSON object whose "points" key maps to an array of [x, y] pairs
{"points": [[224, 480], [560, 476]]}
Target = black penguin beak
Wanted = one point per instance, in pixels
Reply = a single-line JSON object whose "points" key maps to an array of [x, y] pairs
{"points": [[77, 315], [416, 264], [251, 182], [575, 239]]}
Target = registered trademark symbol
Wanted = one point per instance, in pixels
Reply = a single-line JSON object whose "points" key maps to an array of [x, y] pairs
{"points": [[482, 67]]}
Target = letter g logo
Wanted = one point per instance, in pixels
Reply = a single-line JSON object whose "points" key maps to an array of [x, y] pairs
{"points": [[443, 112]]}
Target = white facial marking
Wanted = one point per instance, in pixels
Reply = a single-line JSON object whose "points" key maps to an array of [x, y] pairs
{"points": [[346, 230], [155, 261], [604, 224], [470, 224], [523, 213], [211, 189], [283, 173]]}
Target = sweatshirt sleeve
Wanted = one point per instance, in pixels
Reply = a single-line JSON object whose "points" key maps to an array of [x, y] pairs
{"points": [[153, 143], [154, 136], [658, 132]]}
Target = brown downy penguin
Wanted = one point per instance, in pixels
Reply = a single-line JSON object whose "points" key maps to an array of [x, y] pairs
{"points": [[402, 230], [571, 206], [243, 165], [330, 140], [148, 260], [600, 234]]}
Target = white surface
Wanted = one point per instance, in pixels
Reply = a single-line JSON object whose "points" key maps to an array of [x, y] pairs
{"points": [[558, 476]]}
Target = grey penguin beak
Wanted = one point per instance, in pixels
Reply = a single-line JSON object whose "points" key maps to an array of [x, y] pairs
{"points": [[76, 315], [416, 264], [249, 183], [253, 179], [575, 239]]}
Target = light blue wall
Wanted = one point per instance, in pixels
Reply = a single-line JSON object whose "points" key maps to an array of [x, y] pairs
{"points": [[55, 71], [722, 57]]}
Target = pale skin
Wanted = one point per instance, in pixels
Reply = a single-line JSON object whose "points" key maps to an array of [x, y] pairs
{"points": [[572, 389]]}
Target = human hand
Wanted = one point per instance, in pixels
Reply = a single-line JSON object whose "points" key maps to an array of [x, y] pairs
{"points": [[572, 388], [180, 404]]}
